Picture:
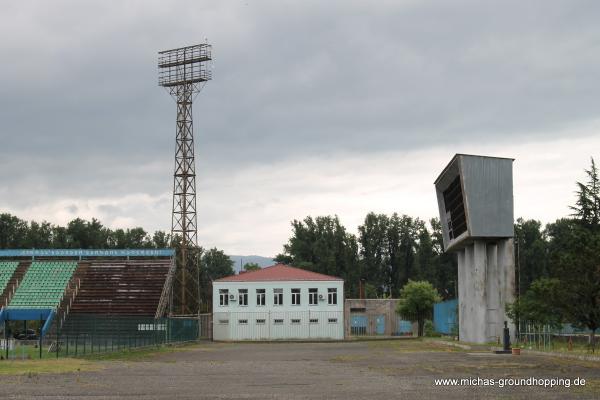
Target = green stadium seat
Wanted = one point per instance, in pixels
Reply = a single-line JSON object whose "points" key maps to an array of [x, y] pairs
{"points": [[7, 269], [43, 285]]}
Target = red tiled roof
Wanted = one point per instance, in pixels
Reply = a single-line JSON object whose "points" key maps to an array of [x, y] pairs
{"points": [[278, 272]]}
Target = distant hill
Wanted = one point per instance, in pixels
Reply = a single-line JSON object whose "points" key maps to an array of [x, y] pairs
{"points": [[239, 261]]}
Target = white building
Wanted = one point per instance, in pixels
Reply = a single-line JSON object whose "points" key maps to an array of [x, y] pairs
{"points": [[278, 302]]}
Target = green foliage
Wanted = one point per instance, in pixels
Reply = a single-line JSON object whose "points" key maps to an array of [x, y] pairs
{"points": [[531, 248], [429, 330], [540, 305], [323, 245], [78, 234], [389, 251], [570, 258], [587, 206], [416, 302], [217, 264], [283, 259], [251, 267]]}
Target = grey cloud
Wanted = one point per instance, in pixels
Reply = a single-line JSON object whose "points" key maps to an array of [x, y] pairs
{"points": [[81, 113]]}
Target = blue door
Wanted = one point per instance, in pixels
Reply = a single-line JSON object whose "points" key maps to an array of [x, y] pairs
{"points": [[380, 326], [358, 325]]}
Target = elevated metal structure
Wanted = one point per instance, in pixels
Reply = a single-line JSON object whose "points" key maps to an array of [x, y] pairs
{"points": [[183, 72]]}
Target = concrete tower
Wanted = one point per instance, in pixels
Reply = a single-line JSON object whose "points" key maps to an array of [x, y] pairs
{"points": [[475, 199]]}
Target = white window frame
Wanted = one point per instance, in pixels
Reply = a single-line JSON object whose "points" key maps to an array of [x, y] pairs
{"points": [[296, 293], [243, 294], [313, 296], [261, 297], [332, 296], [223, 295], [278, 297]]}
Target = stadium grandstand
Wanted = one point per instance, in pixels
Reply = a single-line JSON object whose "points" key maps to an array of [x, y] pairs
{"points": [[87, 294]]}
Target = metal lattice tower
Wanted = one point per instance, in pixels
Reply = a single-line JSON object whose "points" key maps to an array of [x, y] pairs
{"points": [[184, 72]]}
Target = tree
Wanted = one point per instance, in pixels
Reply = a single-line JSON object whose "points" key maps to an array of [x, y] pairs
{"points": [[161, 240], [388, 248], [540, 305], [443, 271], [217, 264], [372, 236], [416, 302], [251, 267], [13, 231], [323, 245], [283, 258], [532, 252], [574, 258], [587, 206]]}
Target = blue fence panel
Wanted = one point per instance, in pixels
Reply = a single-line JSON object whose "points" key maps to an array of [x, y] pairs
{"points": [[404, 327], [444, 316]]}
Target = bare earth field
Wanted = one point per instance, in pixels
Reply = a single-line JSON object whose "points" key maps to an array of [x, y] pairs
{"points": [[340, 370]]}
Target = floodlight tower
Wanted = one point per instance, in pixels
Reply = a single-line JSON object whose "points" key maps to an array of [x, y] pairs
{"points": [[184, 72]]}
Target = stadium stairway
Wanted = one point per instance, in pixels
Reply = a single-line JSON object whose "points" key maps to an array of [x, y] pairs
{"points": [[114, 295], [10, 287], [121, 288]]}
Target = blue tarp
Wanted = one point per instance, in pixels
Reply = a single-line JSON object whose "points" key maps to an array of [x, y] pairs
{"points": [[444, 316]]}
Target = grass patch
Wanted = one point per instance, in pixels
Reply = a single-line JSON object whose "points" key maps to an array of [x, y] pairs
{"points": [[48, 366]]}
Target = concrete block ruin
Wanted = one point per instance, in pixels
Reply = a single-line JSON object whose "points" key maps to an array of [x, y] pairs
{"points": [[475, 200]]}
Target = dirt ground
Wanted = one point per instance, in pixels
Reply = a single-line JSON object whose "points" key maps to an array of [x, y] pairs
{"points": [[340, 370]]}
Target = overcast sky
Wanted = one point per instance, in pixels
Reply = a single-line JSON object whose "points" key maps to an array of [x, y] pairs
{"points": [[315, 108]]}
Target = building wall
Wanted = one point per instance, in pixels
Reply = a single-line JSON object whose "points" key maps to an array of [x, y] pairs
{"points": [[271, 322], [372, 317]]}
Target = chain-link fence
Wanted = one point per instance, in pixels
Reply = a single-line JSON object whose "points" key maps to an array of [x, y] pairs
{"points": [[546, 338]]}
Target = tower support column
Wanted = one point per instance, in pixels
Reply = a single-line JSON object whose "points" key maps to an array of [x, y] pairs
{"points": [[485, 285]]}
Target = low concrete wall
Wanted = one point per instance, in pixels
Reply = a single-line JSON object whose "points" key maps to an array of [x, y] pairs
{"points": [[372, 310]]}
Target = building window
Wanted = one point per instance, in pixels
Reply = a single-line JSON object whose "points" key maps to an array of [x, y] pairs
{"points": [[295, 321], [223, 297], [223, 321], [314, 320], [278, 297], [295, 297], [243, 297], [313, 296], [243, 321], [332, 320], [260, 297], [278, 321], [332, 296], [260, 322]]}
